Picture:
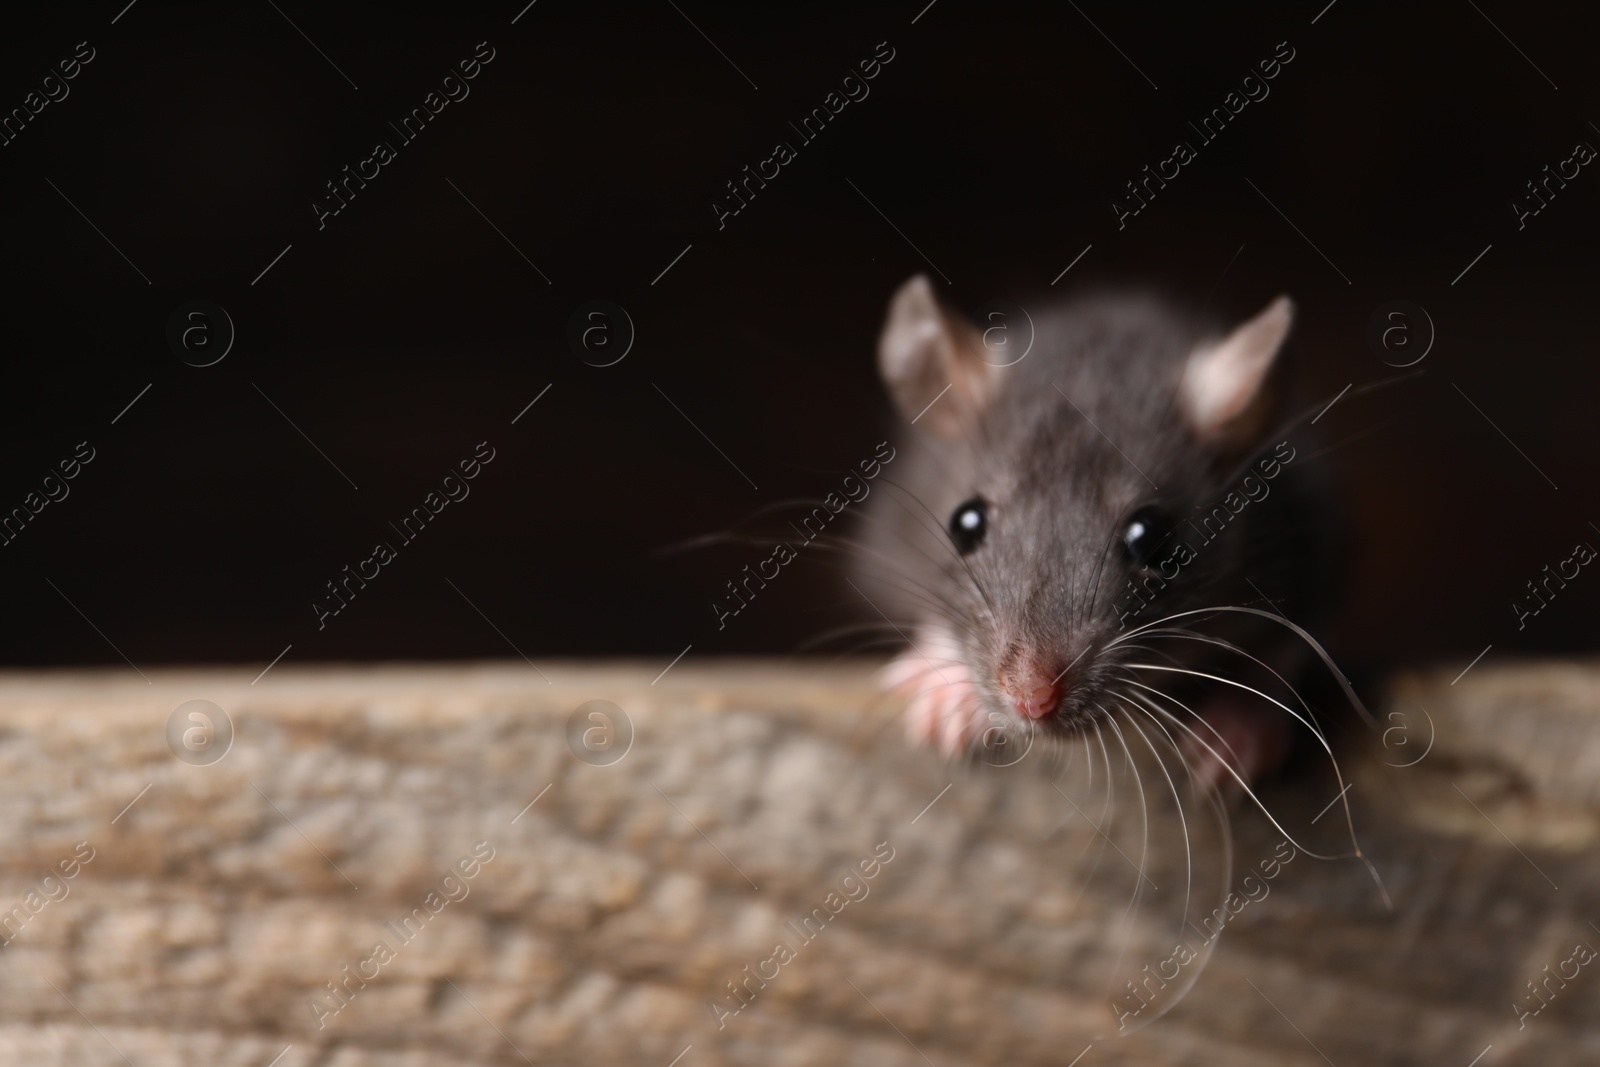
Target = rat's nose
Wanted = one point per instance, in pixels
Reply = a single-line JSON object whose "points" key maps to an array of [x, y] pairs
{"points": [[1033, 694]]}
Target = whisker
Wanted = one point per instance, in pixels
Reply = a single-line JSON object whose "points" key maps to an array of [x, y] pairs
{"points": [[1144, 852], [1316, 731], [1182, 634], [1099, 570], [689, 544], [1106, 813], [1099, 838], [1251, 793], [938, 533], [1088, 760], [1226, 842], [1144, 810], [1201, 719], [899, 577], [1188, 855], [843, 631], [1279, 620]]}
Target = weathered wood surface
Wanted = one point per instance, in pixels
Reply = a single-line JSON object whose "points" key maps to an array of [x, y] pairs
{"points": [[617, 906]]}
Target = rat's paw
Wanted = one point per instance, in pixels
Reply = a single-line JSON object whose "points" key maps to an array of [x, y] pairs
{"points": [[1241, 740], [944, 707]]}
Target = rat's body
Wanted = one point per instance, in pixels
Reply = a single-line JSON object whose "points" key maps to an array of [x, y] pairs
{"points": [[1125, 470]]}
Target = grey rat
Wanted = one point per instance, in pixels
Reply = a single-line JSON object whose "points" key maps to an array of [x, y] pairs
{"points": [[1044, 499]]}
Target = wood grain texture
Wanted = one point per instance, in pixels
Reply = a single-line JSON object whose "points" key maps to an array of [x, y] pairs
{"points": [[617, 908]]}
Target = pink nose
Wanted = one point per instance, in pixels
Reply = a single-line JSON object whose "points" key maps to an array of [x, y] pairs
{"points": [[1033, 695]]}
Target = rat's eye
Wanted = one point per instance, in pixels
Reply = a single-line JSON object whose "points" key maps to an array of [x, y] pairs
{"points": [[969, 524], [1145, 535]]}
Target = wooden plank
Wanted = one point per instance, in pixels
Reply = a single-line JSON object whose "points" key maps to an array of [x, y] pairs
{"points": [[618, 907]]}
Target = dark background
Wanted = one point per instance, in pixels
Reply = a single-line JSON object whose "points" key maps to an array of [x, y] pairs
{"points": [[408, 329]]}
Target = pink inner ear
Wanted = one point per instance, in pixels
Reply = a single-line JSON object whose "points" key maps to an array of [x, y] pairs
{"points": [[1218, 386], [926, 350], [1221, 381]]}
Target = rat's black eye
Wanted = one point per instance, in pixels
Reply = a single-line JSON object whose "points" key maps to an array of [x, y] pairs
{"points": [[1146, 535], [969, 524]]}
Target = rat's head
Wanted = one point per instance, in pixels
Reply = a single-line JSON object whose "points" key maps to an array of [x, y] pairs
{"points": [[1048, 503]]}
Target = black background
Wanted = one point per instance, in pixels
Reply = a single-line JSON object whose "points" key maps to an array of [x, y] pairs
{"points": [[408, 329]]}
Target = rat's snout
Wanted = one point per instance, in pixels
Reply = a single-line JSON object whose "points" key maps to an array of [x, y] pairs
{"points": [[1031, 691], [1041, 679]]}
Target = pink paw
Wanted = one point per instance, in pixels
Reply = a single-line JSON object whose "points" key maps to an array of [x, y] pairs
{"points": [[1236, 739], [944, 707]]}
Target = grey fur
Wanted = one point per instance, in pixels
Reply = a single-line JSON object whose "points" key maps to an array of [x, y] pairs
{"points": [[1064, 453]]}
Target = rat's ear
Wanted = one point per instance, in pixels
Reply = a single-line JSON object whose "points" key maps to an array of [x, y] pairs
{"points": [[1226, 394], [926, 350]]}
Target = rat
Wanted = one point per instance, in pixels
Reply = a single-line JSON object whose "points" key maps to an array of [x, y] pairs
{"points": [[1089, 529]]}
